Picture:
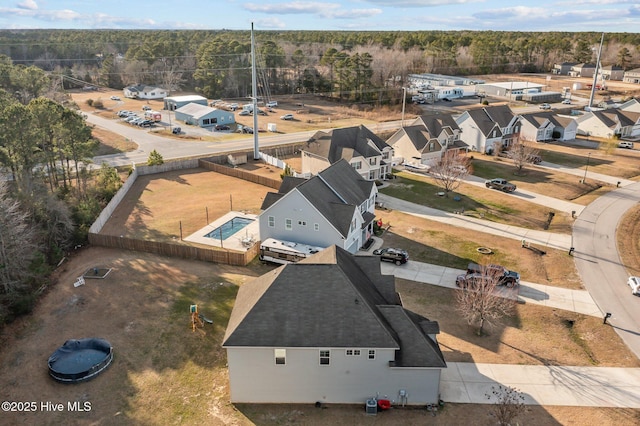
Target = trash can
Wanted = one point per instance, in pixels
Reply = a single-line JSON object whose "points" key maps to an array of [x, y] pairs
{"points": [[371, 406]]}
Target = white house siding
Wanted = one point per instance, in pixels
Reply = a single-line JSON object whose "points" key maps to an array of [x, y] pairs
{"points": [[256, 378], [592, 126], [295, 207]]}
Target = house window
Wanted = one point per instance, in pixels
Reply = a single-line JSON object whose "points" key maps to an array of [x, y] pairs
{"points": [[214, 120], [316, 226], [357, 165], [372, 354], [205, 121], [353, 352], [271, 221], [281, 356], [325, 357], [373, 161], [353, 225], [302, 223], [432, 146], [288, 224]]}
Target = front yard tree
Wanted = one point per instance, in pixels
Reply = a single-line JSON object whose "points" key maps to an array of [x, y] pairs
{"points": [[482, 301], [521, 153], [155, 158], [450, 170], [508, 403]]}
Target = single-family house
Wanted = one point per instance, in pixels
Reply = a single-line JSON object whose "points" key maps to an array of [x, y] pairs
{"points": [[582, 70], [172, 103], [330, 329], [632, 76], [203, 116], [426, 139], [336, 206], [631, 105], [546, 125], [612, 72], [610, 123], [140, 91], [562, 68], [364, 150], [490, 128]]}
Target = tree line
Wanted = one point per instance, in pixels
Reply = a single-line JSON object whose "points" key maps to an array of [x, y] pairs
{"points": [[345, 65], [48, 197]]}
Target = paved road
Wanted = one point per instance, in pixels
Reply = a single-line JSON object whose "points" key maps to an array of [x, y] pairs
{"points": [[599, 265]]}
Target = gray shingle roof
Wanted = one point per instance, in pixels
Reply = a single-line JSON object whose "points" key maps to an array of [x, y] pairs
{"points": [[345, 143], [331, 299]]}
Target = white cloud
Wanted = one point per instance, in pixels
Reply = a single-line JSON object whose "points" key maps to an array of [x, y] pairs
{"points": [[28, 4], [420, 3], [295, 7], [270, 23]]}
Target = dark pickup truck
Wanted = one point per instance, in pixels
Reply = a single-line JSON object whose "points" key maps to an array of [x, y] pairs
{"points": [[505, 276], [500, 184]]}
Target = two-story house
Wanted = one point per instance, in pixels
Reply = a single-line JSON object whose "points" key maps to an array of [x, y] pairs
{"points": [[609, 123], [562, 68], [632, 76], [490, 128], [363, 149], [330, 329], [582, 70], [426, 139], [337, 206]]}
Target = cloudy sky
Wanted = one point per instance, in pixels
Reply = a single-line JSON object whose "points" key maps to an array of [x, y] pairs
{"points": [[385, 15]]}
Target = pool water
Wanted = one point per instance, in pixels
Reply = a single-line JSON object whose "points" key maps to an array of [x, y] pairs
{"points": [[229, 228]]}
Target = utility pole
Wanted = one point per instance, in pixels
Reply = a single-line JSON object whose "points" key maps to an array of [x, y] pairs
{"points": [[254, 95], [595, 74]]}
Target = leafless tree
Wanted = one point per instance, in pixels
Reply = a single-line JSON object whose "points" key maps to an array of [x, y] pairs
{"points": [[482, 301], [17, 242], [521, 153], [509, 403], [450, 171]]}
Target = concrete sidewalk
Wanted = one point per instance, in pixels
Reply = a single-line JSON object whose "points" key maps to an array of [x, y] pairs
{"points": [[543, 385], [553, 297], [612, 180], [547, 239]]}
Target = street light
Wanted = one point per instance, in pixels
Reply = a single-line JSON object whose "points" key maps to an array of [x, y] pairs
{"points": [[404, 101], [584, 179]]}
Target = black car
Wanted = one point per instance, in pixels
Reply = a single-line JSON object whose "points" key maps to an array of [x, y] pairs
{"points": [[176, 130], [222, 127], [395, 255]]}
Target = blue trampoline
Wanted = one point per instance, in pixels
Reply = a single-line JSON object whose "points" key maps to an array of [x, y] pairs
{"points": [[80, 360]]}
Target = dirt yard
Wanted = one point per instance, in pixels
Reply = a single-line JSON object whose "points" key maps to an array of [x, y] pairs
{"points": [[164, 373]]}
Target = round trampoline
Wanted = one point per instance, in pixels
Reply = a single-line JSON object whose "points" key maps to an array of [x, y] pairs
{"points": [[80, 360]]}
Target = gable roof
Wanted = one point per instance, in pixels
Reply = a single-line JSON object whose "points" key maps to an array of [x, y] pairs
{"points": [[614, 117], [501, 114], [484, 122], [345, 143], [336, 192], [196, 110], [331, 300], [143, 88], [436, 124]]}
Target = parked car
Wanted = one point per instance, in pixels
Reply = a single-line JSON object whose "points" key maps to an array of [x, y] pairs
{"points": [[115, 98], [124, 113], [545, 106], [625, 144], [146, 108], [395, 255], [222, 127], [446, 99], [634, 283], [287, 117], [472, 280], [567, 102], [246, 129], [145, 123], [233, 106], [272, 104], [176, 130], [505, 276], [500, 184], [244, 112], [131, 117]]}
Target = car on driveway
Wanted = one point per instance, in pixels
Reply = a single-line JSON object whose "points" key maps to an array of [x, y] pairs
{"points": [[244, 112], [504, 276], [545, 106], [566, 102], [634, 283], [222, 127], [395, 255], [287, 117], [625, 144], [500, 184], [272, 104], [115, 98]]}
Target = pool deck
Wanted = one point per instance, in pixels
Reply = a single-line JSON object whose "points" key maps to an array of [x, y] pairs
{"points": [[236, 241]]}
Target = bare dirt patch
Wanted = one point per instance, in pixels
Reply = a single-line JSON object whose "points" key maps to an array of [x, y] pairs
{"points": [[163, 373]]}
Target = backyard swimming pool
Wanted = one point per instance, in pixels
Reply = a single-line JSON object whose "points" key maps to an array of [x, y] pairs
{"points": [[229, 228]]}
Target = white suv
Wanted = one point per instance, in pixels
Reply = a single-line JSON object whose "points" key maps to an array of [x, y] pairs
{"points": [[634, 283], [272, 104], [625, 144]]}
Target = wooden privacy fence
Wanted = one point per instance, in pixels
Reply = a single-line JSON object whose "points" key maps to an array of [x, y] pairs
{"points": [[240, 174], [207, 254]]}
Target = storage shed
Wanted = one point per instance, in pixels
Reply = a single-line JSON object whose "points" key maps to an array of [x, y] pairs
{"points": [[204, 116]]}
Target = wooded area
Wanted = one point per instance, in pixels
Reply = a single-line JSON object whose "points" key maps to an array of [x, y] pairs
{"points": [[355, 66]]}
